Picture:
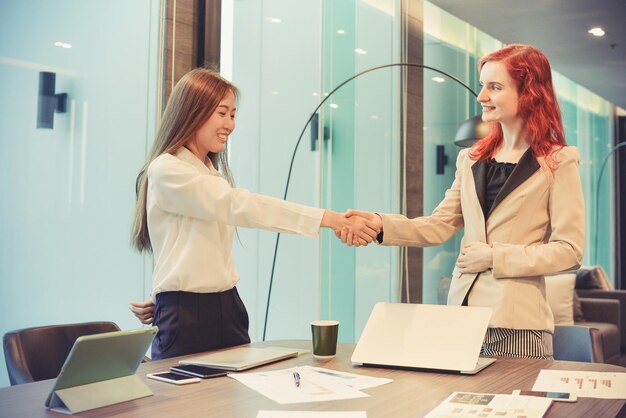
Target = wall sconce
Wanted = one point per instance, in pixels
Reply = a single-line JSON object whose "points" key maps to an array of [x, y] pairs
{"points": [[49, 103], [315, 135], [441, 160], [470, 131]]}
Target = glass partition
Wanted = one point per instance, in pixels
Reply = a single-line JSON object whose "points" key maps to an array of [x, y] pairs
{"points": [[588, 124], [287, 56], [361, 157], [277, 66], [68, 193]]}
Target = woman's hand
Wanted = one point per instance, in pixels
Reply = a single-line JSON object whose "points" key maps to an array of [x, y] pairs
{"points": [[475, 257], [144, 311], [362, 230], [370, 220]]}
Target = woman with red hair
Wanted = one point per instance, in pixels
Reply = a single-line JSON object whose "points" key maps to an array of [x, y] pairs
{"points": [[517, 194]]}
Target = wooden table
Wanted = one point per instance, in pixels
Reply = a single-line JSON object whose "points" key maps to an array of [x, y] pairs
{"points": [[411, 394]]}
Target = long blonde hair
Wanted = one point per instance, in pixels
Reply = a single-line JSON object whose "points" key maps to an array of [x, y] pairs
{"points": [[192, 102]]}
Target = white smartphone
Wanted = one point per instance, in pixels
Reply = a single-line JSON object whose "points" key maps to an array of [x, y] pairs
{"points": [[174, 378], [555, 396]]}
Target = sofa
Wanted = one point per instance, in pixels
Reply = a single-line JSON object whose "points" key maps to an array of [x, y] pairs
{"points": [[592, 283], [602, 315]]}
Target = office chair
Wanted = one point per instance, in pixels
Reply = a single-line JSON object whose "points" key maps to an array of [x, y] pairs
{"points": [[38, 353], [578, 343]]}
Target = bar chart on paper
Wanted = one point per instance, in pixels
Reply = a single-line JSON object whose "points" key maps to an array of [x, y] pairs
{"points": [[582, 383]]}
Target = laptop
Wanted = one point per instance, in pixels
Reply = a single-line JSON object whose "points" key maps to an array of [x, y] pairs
{"points": [[242, 358], [432, 337], [111, 357]]}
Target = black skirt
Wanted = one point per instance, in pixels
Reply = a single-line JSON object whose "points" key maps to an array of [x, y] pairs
{"points": [[196, 322]]}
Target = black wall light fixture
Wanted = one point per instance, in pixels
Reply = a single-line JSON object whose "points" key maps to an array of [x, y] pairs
{"points": [[441, 159], [49, 102]]}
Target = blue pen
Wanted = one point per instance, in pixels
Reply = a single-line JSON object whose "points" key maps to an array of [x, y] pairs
{"points": [[296, 378]]}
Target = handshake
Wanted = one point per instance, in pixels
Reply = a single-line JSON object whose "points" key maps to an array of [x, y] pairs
{"points": [[356, 227]]}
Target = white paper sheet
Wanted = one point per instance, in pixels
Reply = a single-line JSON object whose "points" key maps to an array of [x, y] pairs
{"points": [[279, 386], [356, 381], [472, 405], [311, 414], [601, 385]]}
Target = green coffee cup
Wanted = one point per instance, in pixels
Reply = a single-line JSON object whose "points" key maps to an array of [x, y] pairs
{"points": [[324, 338]]}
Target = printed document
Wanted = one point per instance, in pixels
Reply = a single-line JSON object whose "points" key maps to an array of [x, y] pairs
{"points": [[603, 385], [356, 381], [473, 405], [314, 384], [311, 414]]}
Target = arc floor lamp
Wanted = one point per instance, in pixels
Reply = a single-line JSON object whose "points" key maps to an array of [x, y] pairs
{"points": [[468, 133]]}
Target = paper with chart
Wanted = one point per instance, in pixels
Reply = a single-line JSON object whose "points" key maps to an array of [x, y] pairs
{"points": [[315, 384], [473, 405], [604, 385]]}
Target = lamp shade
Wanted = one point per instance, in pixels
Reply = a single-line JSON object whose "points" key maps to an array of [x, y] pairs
{"points": [[471, 131]]}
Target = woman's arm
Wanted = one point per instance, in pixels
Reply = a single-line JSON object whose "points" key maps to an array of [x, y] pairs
{"points": [[175, 186], [564, 249], [445, 221]]}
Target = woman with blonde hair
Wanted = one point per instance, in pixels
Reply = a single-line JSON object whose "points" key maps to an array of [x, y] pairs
{"points": [[186, 213]]}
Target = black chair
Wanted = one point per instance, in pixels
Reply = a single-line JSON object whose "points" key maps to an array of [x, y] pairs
{"points": [[38, 353]]}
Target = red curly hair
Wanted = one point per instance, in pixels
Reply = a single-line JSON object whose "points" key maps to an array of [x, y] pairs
{"points": [[537, 104]]}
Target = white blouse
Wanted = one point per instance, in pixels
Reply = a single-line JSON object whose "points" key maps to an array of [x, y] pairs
{"points": [[192, 214]]}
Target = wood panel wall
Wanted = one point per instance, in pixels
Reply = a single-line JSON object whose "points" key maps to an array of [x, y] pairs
{"points": [[413, 51], [181, 47]]}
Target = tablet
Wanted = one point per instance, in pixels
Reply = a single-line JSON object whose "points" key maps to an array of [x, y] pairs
{"points": [[98, 358]]}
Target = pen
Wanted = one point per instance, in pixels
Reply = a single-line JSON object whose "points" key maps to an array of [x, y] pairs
{"points": [[296, 378]]}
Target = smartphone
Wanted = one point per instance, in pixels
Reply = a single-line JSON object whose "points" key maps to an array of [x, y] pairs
{"points": [[555, 396], [203, 372], [174, 378]]}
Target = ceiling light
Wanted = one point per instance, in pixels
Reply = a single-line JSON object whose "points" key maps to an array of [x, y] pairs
{"points": [[274, 20], [334, 105], [62, 44], [596, 31], [360, 51], [438, 79], [341, 31]]}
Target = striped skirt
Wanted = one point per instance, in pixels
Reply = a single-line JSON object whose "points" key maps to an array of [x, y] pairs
{"points": [[525, 343]]}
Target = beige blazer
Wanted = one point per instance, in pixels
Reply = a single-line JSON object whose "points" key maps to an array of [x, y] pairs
{"points": [[536, 227]]}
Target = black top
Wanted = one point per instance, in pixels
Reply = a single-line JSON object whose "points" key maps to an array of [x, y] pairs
{"points": [[497, 174]]}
